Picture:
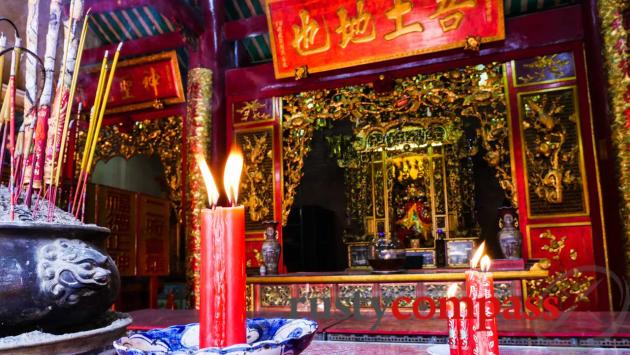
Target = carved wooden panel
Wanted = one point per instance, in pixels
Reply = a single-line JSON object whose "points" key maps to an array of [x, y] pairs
{"points": [[115, 209], [257, 183], [153, 236], [544, 69], [251, 112], [553, 158]]}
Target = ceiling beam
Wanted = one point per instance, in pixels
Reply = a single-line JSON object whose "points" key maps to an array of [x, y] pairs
{"points": [[144, 45], [251, 26], [179, 12]]}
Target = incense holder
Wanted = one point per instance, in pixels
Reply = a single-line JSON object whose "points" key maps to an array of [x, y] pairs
{"points": [[265, 336], [55, 277]]}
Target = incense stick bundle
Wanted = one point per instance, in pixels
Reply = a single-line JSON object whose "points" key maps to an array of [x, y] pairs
{"points": [[43, 114], [15, 59], [23, 145], [92, 122], [76, 62], [95, 134], [61, 96]]}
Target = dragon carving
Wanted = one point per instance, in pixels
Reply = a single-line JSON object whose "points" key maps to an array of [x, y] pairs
{"points": [[70, 269]]}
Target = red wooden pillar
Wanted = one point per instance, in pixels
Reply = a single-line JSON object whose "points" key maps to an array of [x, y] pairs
{"points": [[210, 52], [206, 113]]}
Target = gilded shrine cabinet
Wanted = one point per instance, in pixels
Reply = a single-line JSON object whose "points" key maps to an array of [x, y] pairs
{"points": [[435, 155]]}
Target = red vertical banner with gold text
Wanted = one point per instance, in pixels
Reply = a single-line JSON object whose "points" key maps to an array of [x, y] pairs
{"points": [[320, 35]]}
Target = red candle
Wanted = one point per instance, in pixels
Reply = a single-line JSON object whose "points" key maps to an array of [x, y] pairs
{"points": [[473, 281], [473, 285], [453, 324], [222, 293], [488, 338]]}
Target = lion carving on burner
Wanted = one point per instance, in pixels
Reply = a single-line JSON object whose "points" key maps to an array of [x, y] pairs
{"points": [[69, 269]]}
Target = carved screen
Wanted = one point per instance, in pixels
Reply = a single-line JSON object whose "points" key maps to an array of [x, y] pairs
{"points": [[257, 178], [553, 153]]}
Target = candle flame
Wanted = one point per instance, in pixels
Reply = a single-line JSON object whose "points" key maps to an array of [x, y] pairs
{"points": [[211, 187], [232, 175], [452, 290], [477, 256], [485, 263]]}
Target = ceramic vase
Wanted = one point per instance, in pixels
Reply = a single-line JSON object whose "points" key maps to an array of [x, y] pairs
{"points": [[271, 247], [509, 236]]}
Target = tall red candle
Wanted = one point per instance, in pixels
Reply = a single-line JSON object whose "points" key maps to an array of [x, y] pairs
{"points": [[222, 293], [473, 285], [222, 299], [487, 336], [473, 281]]}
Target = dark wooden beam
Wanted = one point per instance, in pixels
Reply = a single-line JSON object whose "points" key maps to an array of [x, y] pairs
{"points": [[150, 114], [177, 11], [251, 26], [145, 45]]}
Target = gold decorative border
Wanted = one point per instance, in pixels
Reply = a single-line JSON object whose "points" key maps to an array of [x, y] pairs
{"points": [[508, 110], [529, 227], [198, 132], [599, 186], [373, 59], [616, 47], [273, 164], [585, 201], [409, 277], [177, 77]]}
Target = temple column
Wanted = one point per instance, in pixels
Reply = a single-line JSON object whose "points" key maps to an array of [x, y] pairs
{"points": [[204, 126]]}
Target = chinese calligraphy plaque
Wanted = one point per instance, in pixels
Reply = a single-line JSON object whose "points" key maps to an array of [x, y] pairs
{"points": [[326, 35]]}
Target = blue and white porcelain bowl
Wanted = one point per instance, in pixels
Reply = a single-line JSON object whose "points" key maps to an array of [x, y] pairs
{"points": [[265, 336]]}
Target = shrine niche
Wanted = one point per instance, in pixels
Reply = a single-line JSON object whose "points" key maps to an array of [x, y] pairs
{"points": [[408, 159]]}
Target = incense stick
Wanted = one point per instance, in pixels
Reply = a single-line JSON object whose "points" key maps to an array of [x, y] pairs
{"points": [[91, 124], [73, 85], [101, 114]]}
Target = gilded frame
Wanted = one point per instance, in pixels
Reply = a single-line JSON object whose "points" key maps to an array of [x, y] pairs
{"points": [[469, 241], [585, 200], [351, 246]]}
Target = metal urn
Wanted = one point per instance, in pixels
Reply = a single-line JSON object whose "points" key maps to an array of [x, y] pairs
{"points": [[509, 236], [271, 247]]}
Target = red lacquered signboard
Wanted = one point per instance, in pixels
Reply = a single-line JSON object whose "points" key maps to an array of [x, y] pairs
{"points": [[139, 83], [324, 35]]}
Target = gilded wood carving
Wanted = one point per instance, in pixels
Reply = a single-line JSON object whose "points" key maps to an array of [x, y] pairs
{"points": [[161, 138], [472, 92]]}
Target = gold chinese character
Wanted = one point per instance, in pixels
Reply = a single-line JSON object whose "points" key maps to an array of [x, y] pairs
{"points": [[448, 11], [125, 88], [396, 13], [353, 29], [304, 36], [152, 80]]}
